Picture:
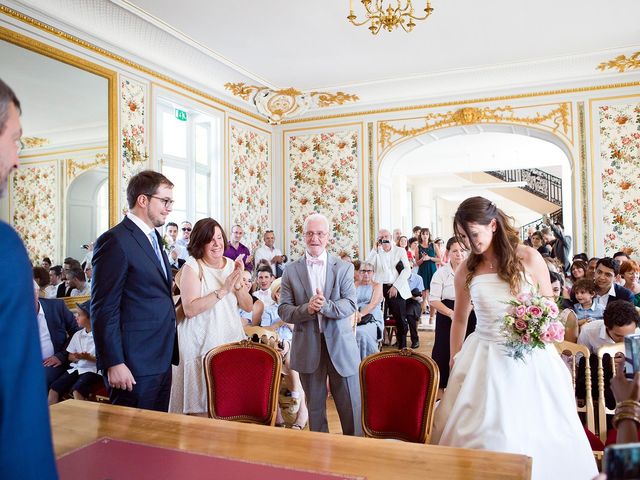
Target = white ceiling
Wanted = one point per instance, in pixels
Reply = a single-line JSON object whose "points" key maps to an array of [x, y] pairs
{"points": [[61, 103], [311, 45], [467, 48]]}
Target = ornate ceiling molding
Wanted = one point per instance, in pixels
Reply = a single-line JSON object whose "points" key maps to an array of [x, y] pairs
{"points": [[553, 117], [35, 142], [622, 63], [277, 105]]}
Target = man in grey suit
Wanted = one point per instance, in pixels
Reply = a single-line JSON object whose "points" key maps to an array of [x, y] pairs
{"points": [[318, 296]]}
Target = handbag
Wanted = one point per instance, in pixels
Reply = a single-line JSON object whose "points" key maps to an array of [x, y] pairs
{"points": [[177, 299], [368, 318]]}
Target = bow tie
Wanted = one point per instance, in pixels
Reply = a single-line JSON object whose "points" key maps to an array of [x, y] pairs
{"points": [[315, 261]]}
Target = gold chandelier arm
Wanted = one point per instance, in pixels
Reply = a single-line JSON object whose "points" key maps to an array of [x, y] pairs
{"points": [[352, 18]]}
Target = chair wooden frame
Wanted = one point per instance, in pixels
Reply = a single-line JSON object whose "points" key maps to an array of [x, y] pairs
{"points": [[432, 390], [603, 411], [575, 349], [273, 388]]}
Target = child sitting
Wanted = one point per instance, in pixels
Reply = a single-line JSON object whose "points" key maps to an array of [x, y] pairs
{"points": [[586, 309], [271, 321], [82, 376]]}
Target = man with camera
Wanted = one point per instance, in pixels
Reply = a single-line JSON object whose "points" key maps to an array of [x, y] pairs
{"points": [[392, 269]]}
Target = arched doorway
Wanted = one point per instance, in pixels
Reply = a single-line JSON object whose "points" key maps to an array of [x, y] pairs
{"points": [[423, 179]]}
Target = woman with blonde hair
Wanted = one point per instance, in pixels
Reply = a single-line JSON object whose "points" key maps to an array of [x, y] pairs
{"points": [[493, 401]]}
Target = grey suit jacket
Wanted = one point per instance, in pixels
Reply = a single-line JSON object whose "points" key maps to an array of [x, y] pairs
{"points": [[340, 294]]}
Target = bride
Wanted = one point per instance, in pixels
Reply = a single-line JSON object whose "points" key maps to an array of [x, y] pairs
{"points": [[494, 402]]}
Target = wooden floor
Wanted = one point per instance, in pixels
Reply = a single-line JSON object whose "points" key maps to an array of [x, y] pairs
{"points": [[426, 345]]}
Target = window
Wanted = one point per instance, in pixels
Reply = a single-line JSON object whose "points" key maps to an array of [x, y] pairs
{"points": [[191, 157]]}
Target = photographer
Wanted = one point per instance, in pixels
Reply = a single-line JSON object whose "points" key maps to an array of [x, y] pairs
{"points": [[392, 269], [559, 242]]}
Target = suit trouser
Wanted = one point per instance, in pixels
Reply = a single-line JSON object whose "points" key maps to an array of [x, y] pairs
{"points": [[413, 311], [150, 392], [345, 392], [397, 307]]}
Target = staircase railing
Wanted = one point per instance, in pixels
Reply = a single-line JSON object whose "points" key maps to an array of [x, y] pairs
{"points": [[538, 182]]}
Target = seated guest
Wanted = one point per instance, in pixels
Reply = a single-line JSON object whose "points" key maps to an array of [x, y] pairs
{"points": [[580, 256], [369, 322], [264, 279], [55, 275], [68, 264], [578, 270], [250, 317], [567, 316], [41, 276], [78, 283], [591, 267], [413, 308], [586, 308], [630, 272], [46, 263], [56, 325], [82, 376], [272, 321], [88, 273], [620, 319], [606, 289]]}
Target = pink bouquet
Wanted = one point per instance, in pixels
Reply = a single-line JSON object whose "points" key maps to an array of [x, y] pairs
{"points": [[530, 322]]}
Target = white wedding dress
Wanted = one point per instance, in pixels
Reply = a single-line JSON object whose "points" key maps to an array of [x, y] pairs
{"points": [[494, 402]]}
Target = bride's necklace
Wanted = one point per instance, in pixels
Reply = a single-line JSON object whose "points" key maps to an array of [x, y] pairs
{"points": [[490, 264]]}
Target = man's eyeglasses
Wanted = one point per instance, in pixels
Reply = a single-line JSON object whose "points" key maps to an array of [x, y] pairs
{"points": [[186, 229], [315, 234], [168, 203], [366, 271], [19, 145]]}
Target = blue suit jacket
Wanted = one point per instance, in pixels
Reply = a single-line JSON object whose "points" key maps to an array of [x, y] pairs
{"points": [[25, 434], [62, 325], [132, 310]]}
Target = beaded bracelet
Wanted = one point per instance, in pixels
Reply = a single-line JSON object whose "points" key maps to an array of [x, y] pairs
{"points": [[618, 417]]}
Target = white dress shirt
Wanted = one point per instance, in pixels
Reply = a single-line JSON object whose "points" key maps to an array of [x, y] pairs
{"points": [[266, 253], [442, 287], [317, 276], [593, 335], [46, 345], [264, 296], [82, 292], [146, 229], [604, 299], [82, 341]]}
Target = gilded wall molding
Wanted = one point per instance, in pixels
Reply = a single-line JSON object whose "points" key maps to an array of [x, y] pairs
{"points": [[75, 168], [582, 175], [622, 63], [554, 117]]}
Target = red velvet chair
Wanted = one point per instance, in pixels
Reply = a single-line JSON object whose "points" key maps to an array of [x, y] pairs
{"points": [[398, 395], [243, 380]]}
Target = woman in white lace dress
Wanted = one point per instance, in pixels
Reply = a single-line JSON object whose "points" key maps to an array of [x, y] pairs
{"points": [[211, 289], [493, 401]]}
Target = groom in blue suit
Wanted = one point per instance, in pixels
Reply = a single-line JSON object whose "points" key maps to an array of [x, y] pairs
{"points": [[26, 451], [132, 312]]}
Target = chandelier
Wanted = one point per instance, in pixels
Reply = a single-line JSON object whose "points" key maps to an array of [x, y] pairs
{"points": [[388, 17]]}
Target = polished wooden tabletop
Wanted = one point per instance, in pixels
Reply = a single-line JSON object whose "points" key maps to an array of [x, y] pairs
{"points": [[77, 423]]}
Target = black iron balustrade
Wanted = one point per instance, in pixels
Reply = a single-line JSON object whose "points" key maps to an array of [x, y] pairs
{"points": [[538, 182], [554, 217]]}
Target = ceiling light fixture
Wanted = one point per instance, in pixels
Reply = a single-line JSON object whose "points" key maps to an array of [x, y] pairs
{"points": [[388, 17]]}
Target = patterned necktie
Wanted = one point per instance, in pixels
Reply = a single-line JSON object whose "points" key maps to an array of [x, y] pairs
{"points": [[156, 248]]}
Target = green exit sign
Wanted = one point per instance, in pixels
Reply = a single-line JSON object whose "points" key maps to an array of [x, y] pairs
{"points": [[181, 115]]}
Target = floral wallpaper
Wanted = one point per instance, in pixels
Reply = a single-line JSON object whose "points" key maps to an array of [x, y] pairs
{"points": [[34, 211], [134, 155], [620, 164], [323, 177], [250, 182]]}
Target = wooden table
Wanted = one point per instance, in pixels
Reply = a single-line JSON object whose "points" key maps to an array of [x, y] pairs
{"points": [[77, 423]]}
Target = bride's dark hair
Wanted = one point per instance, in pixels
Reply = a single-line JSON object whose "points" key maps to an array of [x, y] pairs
{"points": [[505, 239]]}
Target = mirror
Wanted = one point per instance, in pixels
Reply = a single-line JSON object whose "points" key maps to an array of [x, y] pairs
{"points": [[63, 195]]}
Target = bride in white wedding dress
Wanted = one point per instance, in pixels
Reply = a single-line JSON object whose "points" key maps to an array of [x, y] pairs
{"points": [[495, 402]]}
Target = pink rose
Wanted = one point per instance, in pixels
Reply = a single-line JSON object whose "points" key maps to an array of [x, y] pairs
{"points": [[534, 311], [526, 339], [520, 325], [553, 309], [523, 297], [556, 331], [520, 311]]}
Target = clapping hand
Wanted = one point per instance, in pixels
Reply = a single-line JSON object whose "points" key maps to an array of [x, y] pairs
{"points": [[622, 388], [316, 302]]}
